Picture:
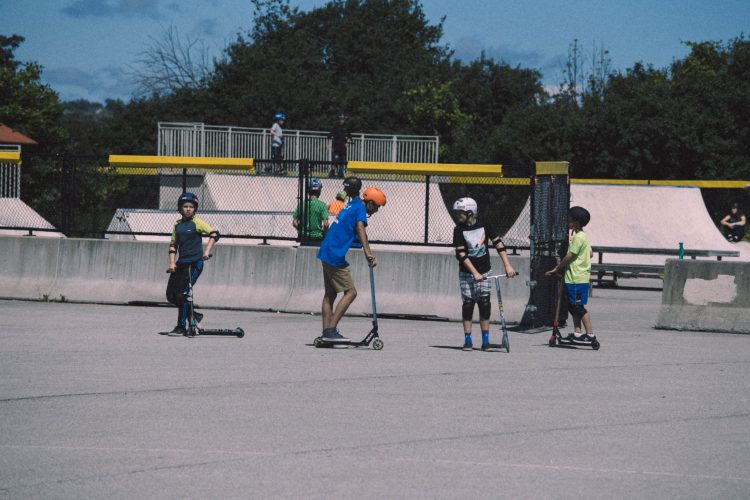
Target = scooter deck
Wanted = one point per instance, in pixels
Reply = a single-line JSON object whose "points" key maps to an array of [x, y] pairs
{"points": [[377, 344], [223, 332], [217, 332], [558, 340]]}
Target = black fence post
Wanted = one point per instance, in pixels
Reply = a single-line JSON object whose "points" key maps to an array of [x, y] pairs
{"points": [[303, 168], [426, 208], [67, 195]]}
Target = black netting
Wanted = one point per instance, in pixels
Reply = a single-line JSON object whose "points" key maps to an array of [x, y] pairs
{"points": [[550, 198]]}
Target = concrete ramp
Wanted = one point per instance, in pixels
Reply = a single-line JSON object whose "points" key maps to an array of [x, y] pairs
{"points": [[649, 217], [276, 224], [16, 213], [263, 206]]}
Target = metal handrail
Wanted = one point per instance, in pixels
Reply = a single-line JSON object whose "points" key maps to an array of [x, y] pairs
{"points": [[199, 139]]}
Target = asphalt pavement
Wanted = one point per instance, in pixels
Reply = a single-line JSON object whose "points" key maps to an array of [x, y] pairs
{"points": [[94, 404]]}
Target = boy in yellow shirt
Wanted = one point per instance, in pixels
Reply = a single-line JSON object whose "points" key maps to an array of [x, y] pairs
{"points": [[577, 266]]}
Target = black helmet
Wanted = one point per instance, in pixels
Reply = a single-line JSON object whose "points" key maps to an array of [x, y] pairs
{"points": [[352, 186], [187, 198], [579, 214]]}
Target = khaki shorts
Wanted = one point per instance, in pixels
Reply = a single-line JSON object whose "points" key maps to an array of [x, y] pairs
{"points": [[337, 279]]}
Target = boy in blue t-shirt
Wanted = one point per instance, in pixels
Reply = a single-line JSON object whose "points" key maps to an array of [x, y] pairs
{"points": [[346, 230], [187, 240]]}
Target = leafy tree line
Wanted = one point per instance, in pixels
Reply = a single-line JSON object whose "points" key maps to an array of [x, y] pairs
{"points": [[384, 64]]}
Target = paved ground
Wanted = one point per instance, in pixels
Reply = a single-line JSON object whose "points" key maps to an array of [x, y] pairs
{"points": [[94, 404]]}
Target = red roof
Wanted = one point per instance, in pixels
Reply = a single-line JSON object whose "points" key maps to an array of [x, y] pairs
{"points": [[10, 136]]}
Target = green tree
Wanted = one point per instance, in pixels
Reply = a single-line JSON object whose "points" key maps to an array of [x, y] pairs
{"points": [[26, 104], [356, 56]]}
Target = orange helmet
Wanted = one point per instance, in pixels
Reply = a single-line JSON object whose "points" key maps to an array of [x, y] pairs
{"points": [[374, 195]]}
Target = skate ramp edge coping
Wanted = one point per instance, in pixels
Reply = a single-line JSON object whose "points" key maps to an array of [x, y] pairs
{"points": [[251, 277], [706, 295]]}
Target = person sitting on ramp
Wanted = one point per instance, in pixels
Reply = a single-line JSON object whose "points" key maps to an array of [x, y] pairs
{"points": [[734, 224], [346, 230]]}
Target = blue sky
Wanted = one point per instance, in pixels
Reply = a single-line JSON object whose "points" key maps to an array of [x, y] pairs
{"points": [[88, 48]]}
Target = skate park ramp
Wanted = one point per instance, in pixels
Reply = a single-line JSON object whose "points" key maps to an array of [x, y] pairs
{"points": [[264, 205], [16, 213], [649, 217]]}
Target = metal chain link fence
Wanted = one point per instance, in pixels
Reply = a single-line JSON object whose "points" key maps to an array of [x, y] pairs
{"points": [[86, 197]]}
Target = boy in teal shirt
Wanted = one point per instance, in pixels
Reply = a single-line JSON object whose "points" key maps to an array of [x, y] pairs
{"points": [[577, 265]]}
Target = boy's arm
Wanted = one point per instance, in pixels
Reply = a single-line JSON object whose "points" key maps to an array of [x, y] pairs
{"points": [[724, 221], [500, 247], [173, 250], [172, 256], [360, 228], [561, 266], [213, 236], [463, 257], [741, 222]]}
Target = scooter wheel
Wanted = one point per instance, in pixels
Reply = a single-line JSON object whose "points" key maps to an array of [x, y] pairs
{"points": [[377, 344], [240, 332], [552, 341], [595, 345], [317, 342]]}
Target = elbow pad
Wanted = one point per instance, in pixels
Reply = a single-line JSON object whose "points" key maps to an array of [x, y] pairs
{"points": [[215, 235], [172, 248], [461, 255]]}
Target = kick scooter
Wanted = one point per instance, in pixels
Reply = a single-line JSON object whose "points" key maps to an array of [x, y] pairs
{"points": [[371, 337], [556, 339], [193, 329], [503, 327]]}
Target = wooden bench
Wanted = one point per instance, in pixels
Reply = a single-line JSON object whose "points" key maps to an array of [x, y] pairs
{"points": [[645, 270]]}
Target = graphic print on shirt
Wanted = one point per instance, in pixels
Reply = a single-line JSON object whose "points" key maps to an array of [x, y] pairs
{"points": [[475, 242]]}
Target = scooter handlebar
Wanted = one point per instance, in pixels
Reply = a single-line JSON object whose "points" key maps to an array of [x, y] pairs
{"points": [[169, 271]]}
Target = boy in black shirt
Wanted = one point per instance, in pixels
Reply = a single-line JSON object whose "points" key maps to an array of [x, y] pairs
{"points": [[472, 238]]}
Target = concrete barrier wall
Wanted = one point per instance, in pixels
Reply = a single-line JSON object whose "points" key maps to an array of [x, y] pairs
{"points": [[705, 295], [240, 276]]}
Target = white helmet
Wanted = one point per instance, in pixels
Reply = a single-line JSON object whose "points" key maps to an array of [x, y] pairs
{"points": [[465, 205]]}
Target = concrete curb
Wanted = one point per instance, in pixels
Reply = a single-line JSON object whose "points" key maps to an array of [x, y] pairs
{"points": [[259, 277]]}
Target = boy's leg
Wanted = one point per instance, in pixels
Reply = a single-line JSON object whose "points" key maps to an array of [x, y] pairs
{"points": [[485, 310], [195, 269], [587, 324], [336, 280], [342, 306], [468, 300], [175, 295], [578, 296], [576, 320], [327, 309]]}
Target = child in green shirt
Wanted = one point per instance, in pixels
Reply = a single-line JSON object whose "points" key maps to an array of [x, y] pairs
{"points": [[317, 216], [577, 265]]}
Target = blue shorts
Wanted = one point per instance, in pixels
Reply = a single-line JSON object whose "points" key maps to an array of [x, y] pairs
{"points": [[578, 293]]}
